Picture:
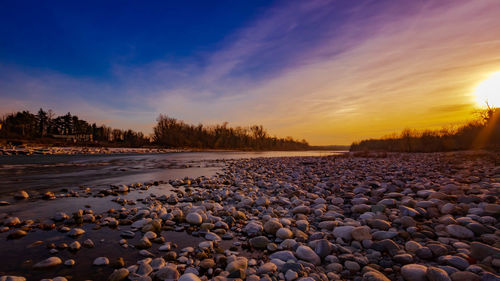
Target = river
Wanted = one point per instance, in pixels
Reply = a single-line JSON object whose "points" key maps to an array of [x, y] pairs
{"points": [[37, 173]]}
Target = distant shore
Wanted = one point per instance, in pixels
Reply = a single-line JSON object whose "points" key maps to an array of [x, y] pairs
{"points": [[86, 150]]}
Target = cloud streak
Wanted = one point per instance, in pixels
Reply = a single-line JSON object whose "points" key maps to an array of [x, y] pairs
{"points": [[318, 70]]}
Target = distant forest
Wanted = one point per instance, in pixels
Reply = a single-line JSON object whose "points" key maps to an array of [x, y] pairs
{"points": [[481, 133], [46, 128]]}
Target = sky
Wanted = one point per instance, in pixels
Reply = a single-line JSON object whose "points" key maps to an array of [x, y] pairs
{"points": [[330, 72]]}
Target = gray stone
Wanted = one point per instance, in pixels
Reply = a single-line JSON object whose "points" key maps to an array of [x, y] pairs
{"points": [[50, 262], [437, 274], [414, 272], [307, 254], [459, 231]]}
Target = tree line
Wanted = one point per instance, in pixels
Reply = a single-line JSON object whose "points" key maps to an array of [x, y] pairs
{"points": [[480, 133], [170, 132], [46, 127]]}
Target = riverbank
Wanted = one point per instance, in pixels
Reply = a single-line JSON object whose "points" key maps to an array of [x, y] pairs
{"points": [[391, 217], [77, 150]]}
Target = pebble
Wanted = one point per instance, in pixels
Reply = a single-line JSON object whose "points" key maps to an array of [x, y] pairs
{"points": [[50, 262], [194, 218], [307, 254], [189, 277], [414, 272], [101, 261]]}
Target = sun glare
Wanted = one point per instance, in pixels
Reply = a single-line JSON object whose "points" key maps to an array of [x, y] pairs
{"points": [[488, 91]]}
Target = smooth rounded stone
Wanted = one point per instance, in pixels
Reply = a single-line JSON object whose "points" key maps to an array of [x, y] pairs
{"points": [[291, 275], [157, 263], [414, 272], [127, 234], [75, 246], [12, 221], [301, 210], [361, 233], [328, 225], [75, 232], [50, 262], [17, 234], [437, 274], [283, 255], [478, 228], [381, 235], [412, 246], [465, 276], [141, 223], [407, 211], [69, 262], [194, 218], [344, 232], [352, 266], [307, 254], [123, 188], [271, 226], [253, 228], [101, 261], [302, 225], [118, 274], [488, 276], [459, 231], [207, 263], [379, 224], [284, 233], [88, 243], [374, 276], [150, 235], [262, 201], [492, 209], [146, 253], [323, 248], [21, 195], [455, 261], [288, 244], [189, 277], [12, 278], [212, 237], [144, 243], [60, 216], [360, 208], [480, 251], [424, 253], [168, 272], [205, 245], [266, 268], [407, 221], [238, 263], [438, 249], [259, 242], [144, 269], [403, 258], [386, 245]]}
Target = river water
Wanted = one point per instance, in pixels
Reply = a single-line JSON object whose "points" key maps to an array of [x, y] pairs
{"points": [[39, 173]]}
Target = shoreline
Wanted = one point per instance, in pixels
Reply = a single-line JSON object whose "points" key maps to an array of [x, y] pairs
{"points": [[289, 218], [90, 150]]}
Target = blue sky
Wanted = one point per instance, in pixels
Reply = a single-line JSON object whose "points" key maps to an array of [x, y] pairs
{"points": [[327, 71]]}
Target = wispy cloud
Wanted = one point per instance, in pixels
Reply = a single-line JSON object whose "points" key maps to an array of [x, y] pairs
{"points": [[319, 70]]}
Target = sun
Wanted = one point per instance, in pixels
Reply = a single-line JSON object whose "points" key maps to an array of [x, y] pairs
{"points": [[488, 91]]}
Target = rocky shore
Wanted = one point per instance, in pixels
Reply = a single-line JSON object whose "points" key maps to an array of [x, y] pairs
{"points": [[413, 217], [72, 150]]}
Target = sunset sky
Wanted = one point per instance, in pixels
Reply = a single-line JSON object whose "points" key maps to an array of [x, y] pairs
{"points": [[331, 72]]}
